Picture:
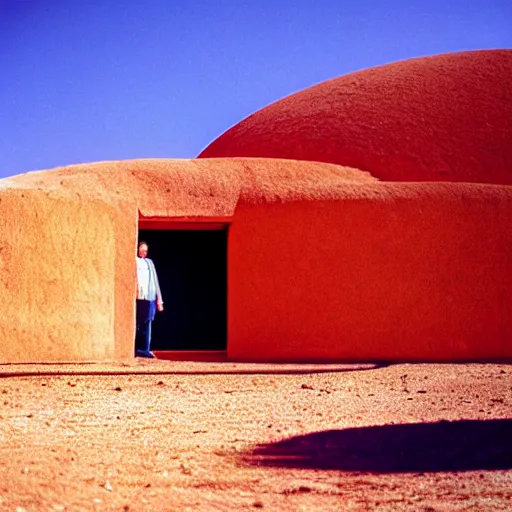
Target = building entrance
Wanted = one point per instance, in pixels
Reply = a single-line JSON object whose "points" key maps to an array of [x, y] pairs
{"points": [[192, 271]]}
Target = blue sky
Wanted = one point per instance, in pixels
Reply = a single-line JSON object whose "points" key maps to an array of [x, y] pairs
{"points": [[91, 80]]}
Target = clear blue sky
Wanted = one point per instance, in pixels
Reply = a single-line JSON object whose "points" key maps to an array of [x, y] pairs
{"points": [[86, 80]]}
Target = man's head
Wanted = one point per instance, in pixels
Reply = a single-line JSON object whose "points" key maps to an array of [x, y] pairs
{"points": [[143, 249]]}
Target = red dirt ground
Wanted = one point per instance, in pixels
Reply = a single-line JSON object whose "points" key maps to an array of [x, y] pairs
{"points": [[165, 436]]}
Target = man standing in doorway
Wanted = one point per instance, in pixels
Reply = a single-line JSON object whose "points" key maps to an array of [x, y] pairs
{"points": [[149, 299]]}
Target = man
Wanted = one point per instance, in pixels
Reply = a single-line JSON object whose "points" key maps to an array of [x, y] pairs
{"points": [[149, 298]]}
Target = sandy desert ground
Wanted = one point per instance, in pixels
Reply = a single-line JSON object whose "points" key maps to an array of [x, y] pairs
{"points": [[175, 436]]}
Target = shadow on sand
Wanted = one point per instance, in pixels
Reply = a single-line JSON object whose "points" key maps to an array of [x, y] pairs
{"points": [[12, 370], [464, 445]]}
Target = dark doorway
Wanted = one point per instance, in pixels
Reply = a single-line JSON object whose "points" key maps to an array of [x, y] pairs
{"points": [[192, 270]]}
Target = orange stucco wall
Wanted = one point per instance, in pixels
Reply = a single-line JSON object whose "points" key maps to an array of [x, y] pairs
{"points": [[324, 262], [383, 272], [124, 234], [57, 277], [68, 242]]}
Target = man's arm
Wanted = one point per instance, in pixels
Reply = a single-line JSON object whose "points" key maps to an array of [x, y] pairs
{"points": [[159, 300]]}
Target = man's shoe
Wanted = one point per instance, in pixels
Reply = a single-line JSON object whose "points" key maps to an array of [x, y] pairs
{"points": [[143, 353]]}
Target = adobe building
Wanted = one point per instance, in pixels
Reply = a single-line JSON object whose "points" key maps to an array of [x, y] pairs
{"points": [[365, 218]]}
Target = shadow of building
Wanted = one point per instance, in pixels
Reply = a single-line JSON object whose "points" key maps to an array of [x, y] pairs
{"points": [[464, 445]]}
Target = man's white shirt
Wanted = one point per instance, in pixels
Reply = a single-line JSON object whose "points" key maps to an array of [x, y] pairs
{"points": [[143, 278]]}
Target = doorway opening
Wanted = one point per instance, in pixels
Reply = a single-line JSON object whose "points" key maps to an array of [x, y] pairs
{"points": [[191, 263]]}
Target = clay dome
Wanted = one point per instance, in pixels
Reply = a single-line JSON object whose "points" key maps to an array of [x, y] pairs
{"points": [[441, 118]]}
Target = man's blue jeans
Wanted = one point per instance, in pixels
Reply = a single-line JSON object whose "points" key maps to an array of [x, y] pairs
{"points": [[144, 316]]}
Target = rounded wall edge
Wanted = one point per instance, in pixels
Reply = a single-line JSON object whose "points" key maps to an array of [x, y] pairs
{"points": [[124, 232], [417, 272]]}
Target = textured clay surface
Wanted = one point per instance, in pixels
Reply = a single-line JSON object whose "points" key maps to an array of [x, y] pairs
{"points": [[184, 188], [68, 239], [161, 436], [55, 264], [377, 271], [332, 262], [441, 118]]}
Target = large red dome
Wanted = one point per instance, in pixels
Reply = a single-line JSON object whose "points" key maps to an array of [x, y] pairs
{"points": [[441, 118]]}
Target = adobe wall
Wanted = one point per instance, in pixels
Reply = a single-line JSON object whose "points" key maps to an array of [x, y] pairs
{"points": [[324, 262], [385, 271], [68, 243], [124, 234], [62, 296]]}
